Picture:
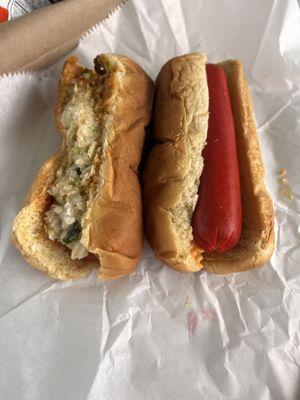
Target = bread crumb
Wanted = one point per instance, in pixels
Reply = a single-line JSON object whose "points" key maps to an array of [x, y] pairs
{"points": [[188, 302], [285, 191]]}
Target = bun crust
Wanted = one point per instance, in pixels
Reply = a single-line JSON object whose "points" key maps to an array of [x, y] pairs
{"points": [[113, 231], [173, 169], [170, 161]]}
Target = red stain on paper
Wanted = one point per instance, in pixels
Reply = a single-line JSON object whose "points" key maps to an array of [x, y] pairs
{"points": [[192, 321], [207, 313]]}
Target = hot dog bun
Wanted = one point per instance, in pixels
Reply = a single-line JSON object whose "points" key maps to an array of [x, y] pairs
{"points": [[174, 165], [112, 232], [257, 239], [172, 173]]}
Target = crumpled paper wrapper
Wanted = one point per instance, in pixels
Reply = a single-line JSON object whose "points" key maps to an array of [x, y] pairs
{"points": [[158, 334]]}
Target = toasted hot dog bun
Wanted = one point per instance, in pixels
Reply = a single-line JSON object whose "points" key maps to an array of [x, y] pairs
{"points": [[174, 167], [112, 231]]}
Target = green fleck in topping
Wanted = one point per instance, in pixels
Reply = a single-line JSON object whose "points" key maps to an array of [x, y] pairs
{"points": [[73, 233], [78, 171], [95, 128], [86, 75]]}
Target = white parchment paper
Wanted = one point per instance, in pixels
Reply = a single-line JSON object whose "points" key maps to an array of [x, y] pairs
{"points": [[159, 334]]}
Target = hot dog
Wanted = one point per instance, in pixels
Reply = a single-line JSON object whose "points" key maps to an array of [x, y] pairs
{"points": [[84, 208], [218, 217]]}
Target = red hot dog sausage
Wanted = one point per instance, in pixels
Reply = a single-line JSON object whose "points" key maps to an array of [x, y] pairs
{"points": [[217, 219]]}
